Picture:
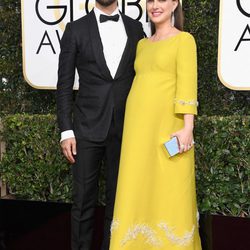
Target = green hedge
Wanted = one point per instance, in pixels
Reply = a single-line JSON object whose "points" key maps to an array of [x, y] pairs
{"points": [[16, 96], [223, 164], [33, 166], [35, 169]]}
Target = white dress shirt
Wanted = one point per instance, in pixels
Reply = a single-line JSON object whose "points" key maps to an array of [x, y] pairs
{"points": [[114, 38]]}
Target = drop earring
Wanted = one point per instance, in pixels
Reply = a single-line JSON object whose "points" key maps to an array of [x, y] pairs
{"points": [[172, 19]]}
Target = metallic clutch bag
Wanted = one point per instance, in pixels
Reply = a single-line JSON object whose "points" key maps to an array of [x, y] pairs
{"points": [[172, 146]]}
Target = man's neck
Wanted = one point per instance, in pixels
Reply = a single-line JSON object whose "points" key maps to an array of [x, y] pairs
{"points": [[107, 9]]}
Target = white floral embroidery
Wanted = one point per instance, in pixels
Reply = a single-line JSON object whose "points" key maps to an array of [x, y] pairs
{"points": [[151, 236], [146, 231], [181, 241], [182, 102], [114, 225]]}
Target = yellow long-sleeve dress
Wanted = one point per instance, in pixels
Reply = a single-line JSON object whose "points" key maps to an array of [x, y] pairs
{"points": [[155, 205]]}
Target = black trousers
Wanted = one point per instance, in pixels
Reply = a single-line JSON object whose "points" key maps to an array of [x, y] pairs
{"points": [[85, 187]]}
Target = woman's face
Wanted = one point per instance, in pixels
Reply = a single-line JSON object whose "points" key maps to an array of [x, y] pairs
{"points": [[159, 11]]}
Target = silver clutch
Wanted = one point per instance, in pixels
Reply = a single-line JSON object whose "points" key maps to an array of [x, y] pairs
{"points": [[172, 146]]}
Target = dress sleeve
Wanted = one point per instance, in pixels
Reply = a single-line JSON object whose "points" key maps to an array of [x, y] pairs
{"points": [[186, 90]]}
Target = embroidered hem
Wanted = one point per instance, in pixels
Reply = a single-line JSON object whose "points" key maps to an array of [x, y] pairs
{"points": [[151, 236]]}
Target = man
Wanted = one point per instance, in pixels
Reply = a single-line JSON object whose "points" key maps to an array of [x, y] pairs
{"points": [[101, 46]]}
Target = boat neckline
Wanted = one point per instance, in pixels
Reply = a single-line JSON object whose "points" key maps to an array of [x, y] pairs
{"points": [[166, 39]]}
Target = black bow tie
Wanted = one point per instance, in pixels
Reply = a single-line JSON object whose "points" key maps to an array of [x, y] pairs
{"points": [[104, 18]]}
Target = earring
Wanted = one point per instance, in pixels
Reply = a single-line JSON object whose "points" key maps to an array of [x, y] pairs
{"points": [[172, 19]]}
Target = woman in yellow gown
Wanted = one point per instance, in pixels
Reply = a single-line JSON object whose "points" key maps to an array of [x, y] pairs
{"points": [[155, 205]]}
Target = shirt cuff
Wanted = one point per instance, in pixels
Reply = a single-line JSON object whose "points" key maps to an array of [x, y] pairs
{"points": [[67, 134]]}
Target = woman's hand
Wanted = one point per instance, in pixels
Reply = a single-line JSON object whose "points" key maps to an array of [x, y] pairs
{"points": [[185, 138], [185, 135]]}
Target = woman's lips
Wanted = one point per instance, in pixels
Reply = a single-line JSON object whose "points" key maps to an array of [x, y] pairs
{"points": [[156, 13]]}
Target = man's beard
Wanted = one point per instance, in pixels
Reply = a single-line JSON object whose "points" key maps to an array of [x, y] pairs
{"points": [[105, 3]]}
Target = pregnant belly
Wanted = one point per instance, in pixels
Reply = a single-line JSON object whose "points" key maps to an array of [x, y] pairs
{"points": [[150, 93]]}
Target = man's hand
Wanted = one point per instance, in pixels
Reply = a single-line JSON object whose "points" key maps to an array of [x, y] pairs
{"points": [[69, 149]]}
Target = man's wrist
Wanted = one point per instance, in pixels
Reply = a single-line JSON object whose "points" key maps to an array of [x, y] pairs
{"points": [[67, 134]]}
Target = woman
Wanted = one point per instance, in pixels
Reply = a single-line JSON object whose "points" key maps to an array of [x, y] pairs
{"points": [[155, 205]]}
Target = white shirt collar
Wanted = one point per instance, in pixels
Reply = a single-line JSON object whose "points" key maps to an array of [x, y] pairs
{"points": [[98, 12]]}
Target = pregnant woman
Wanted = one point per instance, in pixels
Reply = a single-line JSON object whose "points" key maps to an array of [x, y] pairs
{"points": [[155, 205]]}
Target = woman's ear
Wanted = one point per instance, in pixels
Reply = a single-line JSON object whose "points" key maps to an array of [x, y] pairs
{"points": [[175, 4]]}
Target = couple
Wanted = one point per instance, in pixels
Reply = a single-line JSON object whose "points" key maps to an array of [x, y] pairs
{"points": [[155, 202]]}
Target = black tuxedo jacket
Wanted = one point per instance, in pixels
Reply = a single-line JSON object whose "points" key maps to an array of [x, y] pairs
{"points": [[100, 97]]}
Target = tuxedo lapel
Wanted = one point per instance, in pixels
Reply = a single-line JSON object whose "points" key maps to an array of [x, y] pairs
{"points": [[97, 45], [128, 48]]}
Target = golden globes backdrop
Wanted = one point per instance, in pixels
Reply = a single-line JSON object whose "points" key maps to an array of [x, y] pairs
{"points": [[234, 44], [43, 23]]}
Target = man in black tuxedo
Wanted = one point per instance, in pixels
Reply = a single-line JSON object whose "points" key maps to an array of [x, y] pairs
{"points": [[101, 46]]}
